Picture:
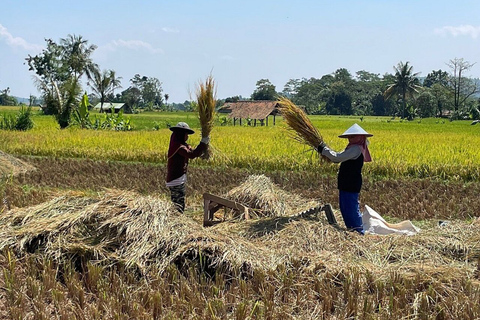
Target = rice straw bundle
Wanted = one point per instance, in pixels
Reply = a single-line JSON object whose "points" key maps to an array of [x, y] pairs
{"points": [[297, 121], [265, 198], [206, 100]]}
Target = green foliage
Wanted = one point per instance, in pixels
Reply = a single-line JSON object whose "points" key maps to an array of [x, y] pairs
{"points": [[22, 121], [112, 121], [81, 114], [106, 121], [58, 70], [265, 91], [404, 87], [6, 99]]}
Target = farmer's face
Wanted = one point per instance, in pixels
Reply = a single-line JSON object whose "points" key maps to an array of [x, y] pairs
{"points": [[186, 136], [356, 139]]}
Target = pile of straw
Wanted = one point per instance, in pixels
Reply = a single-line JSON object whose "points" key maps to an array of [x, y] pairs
{"points": [[147, 235], [10, 165], [142, 233], [206, 100], [299, 123], [266, 199]]}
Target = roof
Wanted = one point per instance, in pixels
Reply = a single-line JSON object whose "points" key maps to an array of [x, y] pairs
{"points": [[109, 105], [254, 109]]}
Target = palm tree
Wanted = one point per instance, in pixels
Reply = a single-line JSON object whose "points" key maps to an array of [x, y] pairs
{"points": [[103, 84], [166, 100], [76, 52], [405, 84]]}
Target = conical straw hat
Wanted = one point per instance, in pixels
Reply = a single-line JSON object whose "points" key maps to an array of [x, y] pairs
{"points": [[355, 130], [182, 126]]}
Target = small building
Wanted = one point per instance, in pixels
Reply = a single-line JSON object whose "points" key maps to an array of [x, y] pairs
{"points": [[107, 107], [251, 111]]}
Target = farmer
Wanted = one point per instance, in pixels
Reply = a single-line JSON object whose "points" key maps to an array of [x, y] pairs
{"points": [[178, 154], [350, 173]]}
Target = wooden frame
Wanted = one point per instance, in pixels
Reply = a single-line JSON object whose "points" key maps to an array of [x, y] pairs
{"points": [[213, 203]]}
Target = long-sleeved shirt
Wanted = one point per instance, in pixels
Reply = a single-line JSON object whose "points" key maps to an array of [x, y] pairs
{"points": [[178, 162], [350, 173]]}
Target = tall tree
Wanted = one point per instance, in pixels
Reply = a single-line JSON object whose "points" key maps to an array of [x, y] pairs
{"points": [[434, 77], [461, 87], [150, 89], [265, 90], [76, 55], [406, 85], [104, 84], [58, 69], [313, 93]]}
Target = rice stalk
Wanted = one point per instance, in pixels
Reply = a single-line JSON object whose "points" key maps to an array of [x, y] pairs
{"points": [[206, 100], [299, 124]]}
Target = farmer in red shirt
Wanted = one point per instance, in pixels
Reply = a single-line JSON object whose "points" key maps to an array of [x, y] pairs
{"points": [[179, 152]]}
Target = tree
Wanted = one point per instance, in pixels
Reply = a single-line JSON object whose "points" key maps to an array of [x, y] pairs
{"points": [[425, 104], [461, 87], [104, 84], [434, 77], [150, 89], [340, 100], [291, 88], [6, 99], [132, 96], [406, 85], [265, 90], [364, 92], [76, 55], [233, 99], [313, 93], [440, 95], [58, 69]]}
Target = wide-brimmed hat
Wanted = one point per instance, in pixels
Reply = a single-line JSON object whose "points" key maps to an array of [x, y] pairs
{"points": [[355, 130], [182, 126]]}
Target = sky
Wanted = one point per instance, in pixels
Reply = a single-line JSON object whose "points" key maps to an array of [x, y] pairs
{"points": [[182, 42]]}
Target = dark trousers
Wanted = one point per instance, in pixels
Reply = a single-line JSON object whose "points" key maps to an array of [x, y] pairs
{"points": [[350, 209], [177, 194]]}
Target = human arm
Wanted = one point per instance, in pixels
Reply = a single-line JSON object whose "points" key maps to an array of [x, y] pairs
{"points": [[190, 153], [348, 154]]}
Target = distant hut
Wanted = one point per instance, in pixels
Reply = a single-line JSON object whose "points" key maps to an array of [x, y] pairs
{"points": [[107, 107], [251, 111]]}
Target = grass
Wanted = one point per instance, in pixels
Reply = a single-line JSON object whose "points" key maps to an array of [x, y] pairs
{"points": [[432, 148]]}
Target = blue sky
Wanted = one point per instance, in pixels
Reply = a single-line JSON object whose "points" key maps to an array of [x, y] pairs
{"points": [[240, 42]]}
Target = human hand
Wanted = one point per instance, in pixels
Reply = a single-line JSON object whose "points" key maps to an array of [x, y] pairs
{"points": [[320, 147], [205, 140]]}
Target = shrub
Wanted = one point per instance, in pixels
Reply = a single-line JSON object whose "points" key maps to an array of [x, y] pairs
{"points": [[21, 121]]}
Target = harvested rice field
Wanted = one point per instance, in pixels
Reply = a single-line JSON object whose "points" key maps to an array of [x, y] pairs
{"points": [[98, 238]]}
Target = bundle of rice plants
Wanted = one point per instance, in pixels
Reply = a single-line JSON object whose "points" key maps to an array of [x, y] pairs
{"points": [[266, 199], [299, 123], [206, 100]]}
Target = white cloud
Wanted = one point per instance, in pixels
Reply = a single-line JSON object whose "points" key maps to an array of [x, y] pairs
{"points": [[15, 42], [463, 30], [132, 44], [170, 30]]}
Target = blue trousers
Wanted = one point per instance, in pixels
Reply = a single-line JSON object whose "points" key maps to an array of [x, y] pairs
{"points": [[350, 209]]}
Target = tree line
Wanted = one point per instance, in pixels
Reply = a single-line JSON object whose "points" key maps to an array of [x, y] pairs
{"points": [[403, 93], [60, 67]]}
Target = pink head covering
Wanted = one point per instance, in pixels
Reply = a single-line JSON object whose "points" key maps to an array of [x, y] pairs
{"points": [[362, 142], [358, 137]]}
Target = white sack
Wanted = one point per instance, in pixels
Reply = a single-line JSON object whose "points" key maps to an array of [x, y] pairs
{"points": [[373, 223]]}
